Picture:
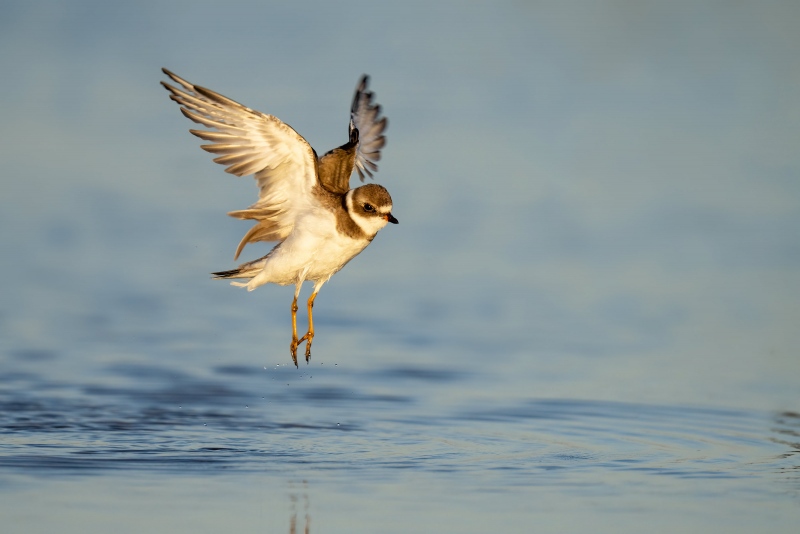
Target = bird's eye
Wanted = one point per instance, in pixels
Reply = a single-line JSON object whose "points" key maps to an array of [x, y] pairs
{"points": [[368, 208]]}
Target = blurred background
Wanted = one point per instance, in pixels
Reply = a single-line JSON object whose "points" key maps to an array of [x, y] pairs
{"points": [[597, 200], [573, 180]]}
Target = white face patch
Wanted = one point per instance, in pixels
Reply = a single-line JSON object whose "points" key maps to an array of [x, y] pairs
{"points": [[369, 224]]}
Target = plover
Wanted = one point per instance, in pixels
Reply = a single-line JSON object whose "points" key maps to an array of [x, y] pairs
{"points": [[305, 201]]}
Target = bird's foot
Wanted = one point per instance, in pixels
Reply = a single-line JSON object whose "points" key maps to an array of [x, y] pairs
{"points": [[293, 348], [308, 338]]}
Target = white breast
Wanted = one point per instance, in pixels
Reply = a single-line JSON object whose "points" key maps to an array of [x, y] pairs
{"points": [[314, 250]]}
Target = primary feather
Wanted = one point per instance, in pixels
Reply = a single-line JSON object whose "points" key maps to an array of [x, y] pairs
{"points": [[250, 142]]}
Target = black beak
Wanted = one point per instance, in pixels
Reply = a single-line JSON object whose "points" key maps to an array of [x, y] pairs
{"points": [[391, 219]]}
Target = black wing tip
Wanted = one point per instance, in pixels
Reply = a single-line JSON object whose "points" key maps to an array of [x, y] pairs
{"points": [[361, 90], [174, 77], [177, 79]]}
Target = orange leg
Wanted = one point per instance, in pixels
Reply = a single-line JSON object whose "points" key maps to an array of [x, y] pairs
{"points": [[309, 337], [295, 341]]}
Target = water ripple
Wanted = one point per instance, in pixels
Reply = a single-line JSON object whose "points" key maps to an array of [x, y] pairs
{"points": [[241, 418]]}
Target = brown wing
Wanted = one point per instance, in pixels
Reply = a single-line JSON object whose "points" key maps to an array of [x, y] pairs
{"points": [[363, 149], [336, 166]]}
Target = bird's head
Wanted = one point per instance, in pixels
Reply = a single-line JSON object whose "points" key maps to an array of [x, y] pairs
{"points": [[370, 206]]}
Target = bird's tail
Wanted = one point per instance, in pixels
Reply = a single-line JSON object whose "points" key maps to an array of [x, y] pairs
{"points": [[245, 270]]}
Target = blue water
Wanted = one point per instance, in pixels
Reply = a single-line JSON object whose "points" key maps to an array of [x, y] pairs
{"points": [[586, 320], [392, 447]]}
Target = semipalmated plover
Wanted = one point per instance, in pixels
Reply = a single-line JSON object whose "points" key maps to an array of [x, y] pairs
{"points": [[305, 202]]}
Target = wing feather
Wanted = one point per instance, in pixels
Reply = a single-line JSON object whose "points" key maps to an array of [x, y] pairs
{"points": [[250, 142], [216, 136], [221, 148], [365, 117], [362, 150]]}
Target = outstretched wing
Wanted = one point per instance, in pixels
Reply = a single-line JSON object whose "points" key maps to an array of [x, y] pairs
{"points": [[363, 149], [365, 117], [250, 142]]}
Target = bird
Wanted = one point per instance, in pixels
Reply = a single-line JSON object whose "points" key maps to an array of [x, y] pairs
{"points": [[305, 202]]}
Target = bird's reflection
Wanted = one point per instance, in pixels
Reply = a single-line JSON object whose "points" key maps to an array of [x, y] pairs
{"points": [[299, 496]]}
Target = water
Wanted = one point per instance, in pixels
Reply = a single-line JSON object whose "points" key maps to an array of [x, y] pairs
{"points": [[234, 447], [586, 320], [391, 448]]}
